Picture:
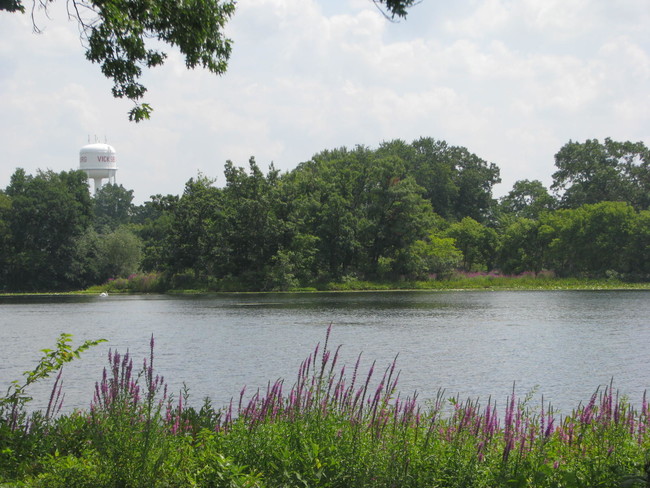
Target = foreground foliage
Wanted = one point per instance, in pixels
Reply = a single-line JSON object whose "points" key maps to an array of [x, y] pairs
{"points": [[327, 429]]}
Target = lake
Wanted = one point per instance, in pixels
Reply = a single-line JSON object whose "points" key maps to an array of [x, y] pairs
{"points": [[559, 344]]}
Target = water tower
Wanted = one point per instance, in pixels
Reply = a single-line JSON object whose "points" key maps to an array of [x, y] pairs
{"points": [[99, 162]]}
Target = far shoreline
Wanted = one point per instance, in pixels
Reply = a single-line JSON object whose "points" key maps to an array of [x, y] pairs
{"points": [[480, 283]]}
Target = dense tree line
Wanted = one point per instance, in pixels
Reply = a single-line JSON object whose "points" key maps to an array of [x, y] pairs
{"points": [[401, 211], [55, 236]]}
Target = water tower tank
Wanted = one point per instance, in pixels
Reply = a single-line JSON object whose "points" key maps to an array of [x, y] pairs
{"points": [[99, 162]]}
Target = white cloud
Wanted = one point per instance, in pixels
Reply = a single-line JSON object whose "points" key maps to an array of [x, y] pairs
{"points": [[626, 58], [490, 16], [562, 17], [510, 80]]}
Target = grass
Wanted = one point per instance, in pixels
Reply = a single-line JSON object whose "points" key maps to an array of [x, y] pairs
{"points": [[330, 427], [154, 283], [492, 281]]}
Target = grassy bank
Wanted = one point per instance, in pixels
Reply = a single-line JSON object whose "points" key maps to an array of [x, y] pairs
{"points": [[487, 281], [330, 427], [153, 283]]}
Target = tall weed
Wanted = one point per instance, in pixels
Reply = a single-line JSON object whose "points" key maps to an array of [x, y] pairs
{"points": [[332, 427]]}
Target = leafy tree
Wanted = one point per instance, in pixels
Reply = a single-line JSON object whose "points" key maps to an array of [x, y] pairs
{"points": [[119, 253], [369, 210], [152, 222], [372, 205], [396, 8], [527, 199], [86, 266], [432, 168], [195, 229], [5, 237], [638, 248], [113, 206], [332, 210], [607, 233], [477, 242], [591, 239], [475, 179], [297, 205], [49, 212], [338, 235], [229, 233], [456, 182], [593, 172], [289, 268], [252, 230], [398, 217], [522, 247], [434, 255]]}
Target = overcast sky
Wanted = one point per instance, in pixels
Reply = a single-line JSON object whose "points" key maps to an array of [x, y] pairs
{"points": [[511, 80]]}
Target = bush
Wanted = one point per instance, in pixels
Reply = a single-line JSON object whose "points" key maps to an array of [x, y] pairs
{"points": [[135, 283]]}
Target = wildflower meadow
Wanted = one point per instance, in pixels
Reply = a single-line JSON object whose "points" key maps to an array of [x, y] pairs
{"points": [[330, 426]]}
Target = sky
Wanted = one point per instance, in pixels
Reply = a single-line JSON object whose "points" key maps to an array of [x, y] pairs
{"points": [[510, 80]]}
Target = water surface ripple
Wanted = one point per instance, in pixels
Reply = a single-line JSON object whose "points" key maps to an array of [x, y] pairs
{"points": [[562, 344]]}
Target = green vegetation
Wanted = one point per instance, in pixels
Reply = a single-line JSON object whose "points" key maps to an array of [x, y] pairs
{"points": [[415, 215], [154, 283], [491, 281], [329, 428]]}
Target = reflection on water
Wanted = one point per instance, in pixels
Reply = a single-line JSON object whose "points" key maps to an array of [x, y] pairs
{"points": [[562, 343]]}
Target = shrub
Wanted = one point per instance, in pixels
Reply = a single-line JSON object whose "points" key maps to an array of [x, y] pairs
{"points": [[136, 283]]}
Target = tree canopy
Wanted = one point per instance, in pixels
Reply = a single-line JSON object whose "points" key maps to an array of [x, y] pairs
{"points": [[591, 172], [396, 8], [527, 199], [44, 217]]}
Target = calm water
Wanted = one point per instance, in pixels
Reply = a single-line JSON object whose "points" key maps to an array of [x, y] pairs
{"points": [[564, 344]]}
